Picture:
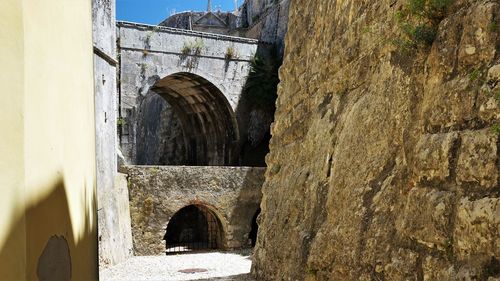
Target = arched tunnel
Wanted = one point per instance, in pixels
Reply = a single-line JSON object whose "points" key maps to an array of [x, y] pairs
{"points": [[208, 123]]}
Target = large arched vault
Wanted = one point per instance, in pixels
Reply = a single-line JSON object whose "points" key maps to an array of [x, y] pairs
{"points": [[208, 122], [180, 100]]}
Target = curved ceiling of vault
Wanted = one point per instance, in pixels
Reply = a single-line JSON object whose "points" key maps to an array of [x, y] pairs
{"points": [[208, 121]]}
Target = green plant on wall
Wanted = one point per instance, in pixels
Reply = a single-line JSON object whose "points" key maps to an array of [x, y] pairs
{"points": [[193, 47], [495, 129], [493, 27], [496, 95], [121, 121], [419, 21], [262, 83], [230, 53]]}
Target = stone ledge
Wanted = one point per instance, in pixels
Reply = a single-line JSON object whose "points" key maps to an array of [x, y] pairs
{"points": [[179, 31]]}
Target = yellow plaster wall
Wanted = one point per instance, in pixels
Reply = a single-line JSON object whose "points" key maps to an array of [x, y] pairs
{"points": [[12, 232], [47, 163]]}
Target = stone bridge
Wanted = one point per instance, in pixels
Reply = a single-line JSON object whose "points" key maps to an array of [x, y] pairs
{"points": [[180, 95], [231, 194]]}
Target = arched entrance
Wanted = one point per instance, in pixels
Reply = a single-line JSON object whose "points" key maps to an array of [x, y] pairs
{"points": [[193, 228], [208, 123], [252, 236]]}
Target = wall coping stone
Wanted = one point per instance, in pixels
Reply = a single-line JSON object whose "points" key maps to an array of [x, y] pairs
{"points": [[179, 31]]}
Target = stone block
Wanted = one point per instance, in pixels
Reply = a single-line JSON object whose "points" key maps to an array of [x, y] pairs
{"points": [[477, 159], [477, 228], [432, 156], [436, 269], [448, 104], [477, 45], [426, 217], [468, 273], [403, 266], [494, 74]]}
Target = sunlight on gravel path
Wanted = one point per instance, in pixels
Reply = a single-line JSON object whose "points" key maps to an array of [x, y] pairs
{"points": [[206, 266]]}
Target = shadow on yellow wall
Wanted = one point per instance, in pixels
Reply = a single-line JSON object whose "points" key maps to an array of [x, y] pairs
{"points": [[47, 227]]}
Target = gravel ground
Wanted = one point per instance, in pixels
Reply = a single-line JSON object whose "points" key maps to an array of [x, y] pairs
{"points": [[219, 266]]}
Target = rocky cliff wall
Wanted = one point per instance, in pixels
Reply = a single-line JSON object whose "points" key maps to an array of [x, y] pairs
{"points": [[384, 164]]}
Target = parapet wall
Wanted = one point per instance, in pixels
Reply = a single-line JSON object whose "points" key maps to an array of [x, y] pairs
{"points": [[157, 193]]}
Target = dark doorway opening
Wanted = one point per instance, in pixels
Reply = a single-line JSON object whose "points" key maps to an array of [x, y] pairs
{"points": [[255, 228], [193, 228]]}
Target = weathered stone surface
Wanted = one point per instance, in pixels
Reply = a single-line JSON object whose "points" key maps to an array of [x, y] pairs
{"points": [[115, 234], [435, 269], [427, 217], [489, 99], [157, 193], [159, 136], [433, 156], [267, 20], [115, 239], [104, 25], [403, 266], [477, 159], [477, 229], [457, 111], [363, 177]]}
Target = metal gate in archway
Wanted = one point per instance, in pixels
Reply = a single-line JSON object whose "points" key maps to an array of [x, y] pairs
{"points": [[193, 228]]}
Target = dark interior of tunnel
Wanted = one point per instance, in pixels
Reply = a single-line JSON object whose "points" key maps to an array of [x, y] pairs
{"points": [[255, 228], [255, 155], [192, 228]]}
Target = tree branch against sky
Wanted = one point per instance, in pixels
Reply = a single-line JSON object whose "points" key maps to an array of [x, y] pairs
{"points": [[154, 11]]}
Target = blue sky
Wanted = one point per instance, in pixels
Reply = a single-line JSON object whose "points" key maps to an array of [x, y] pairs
{"points": [[154, 11]]}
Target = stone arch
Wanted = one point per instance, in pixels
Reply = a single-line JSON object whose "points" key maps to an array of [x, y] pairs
{"points": [[193, 228], [208, 122]]}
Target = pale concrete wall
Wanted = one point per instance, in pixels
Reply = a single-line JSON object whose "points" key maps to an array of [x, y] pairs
{"points": [[157, 193], [48, 162], [114, 240]]}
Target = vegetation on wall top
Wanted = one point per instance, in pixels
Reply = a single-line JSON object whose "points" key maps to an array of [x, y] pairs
{"points": [[419, 21]]}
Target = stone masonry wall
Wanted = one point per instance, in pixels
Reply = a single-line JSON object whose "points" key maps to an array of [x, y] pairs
{"points": [[384, 165], [115, 239], [157, 193], [149, 53], [267, 20]]}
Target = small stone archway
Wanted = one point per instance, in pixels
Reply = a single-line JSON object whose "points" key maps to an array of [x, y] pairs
{"points": [[208, 122], [194, 228]]}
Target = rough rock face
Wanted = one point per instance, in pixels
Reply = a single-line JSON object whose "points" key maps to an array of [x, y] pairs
{"points": [[384, 164]]}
